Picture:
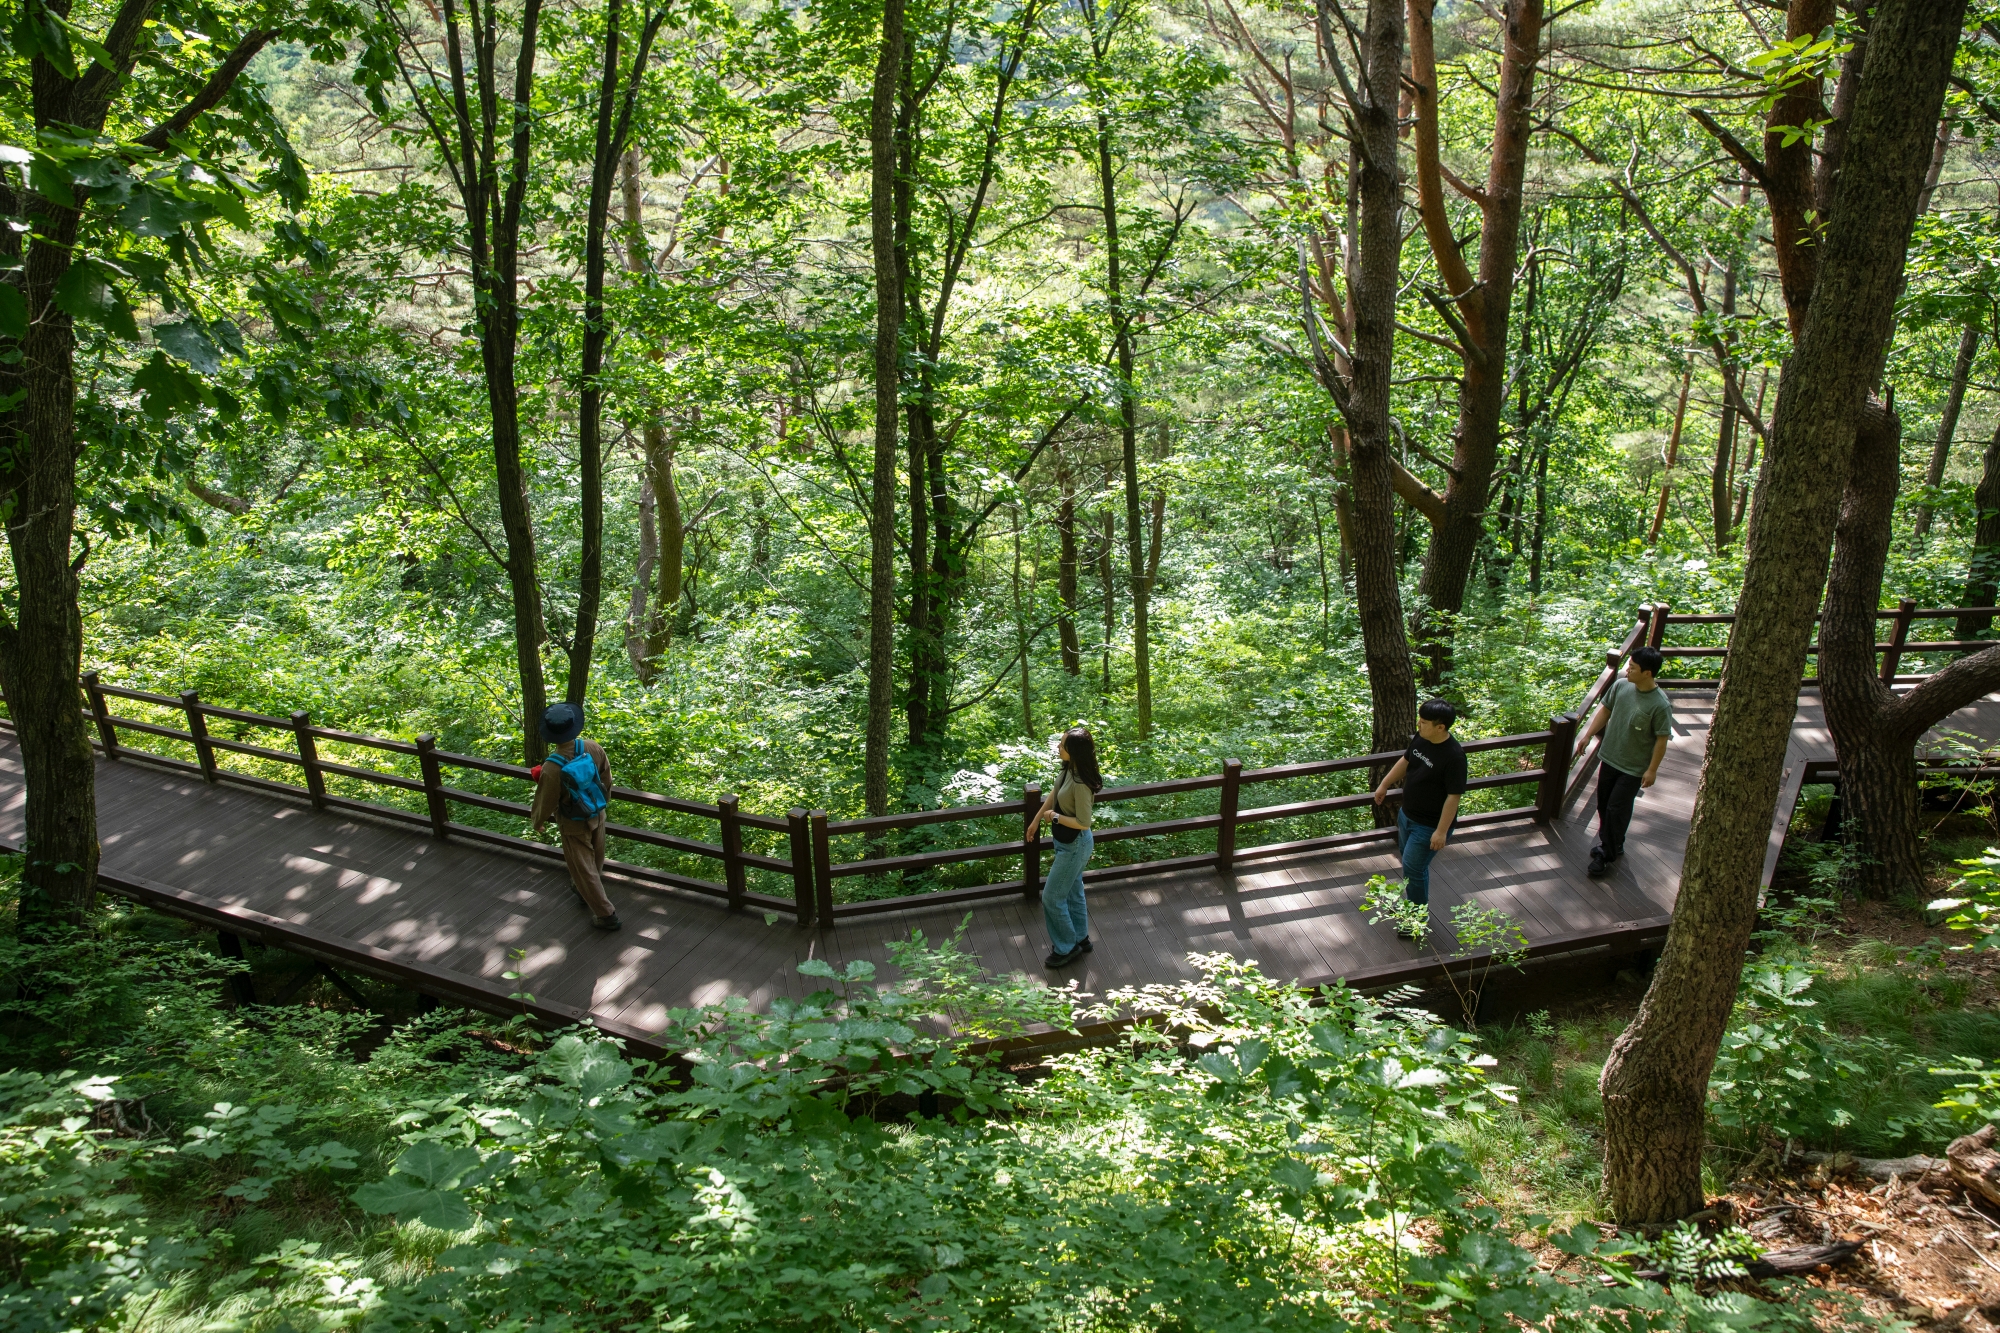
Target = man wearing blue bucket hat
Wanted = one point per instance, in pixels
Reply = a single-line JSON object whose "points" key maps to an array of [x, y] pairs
{"points": [[573, 785]]}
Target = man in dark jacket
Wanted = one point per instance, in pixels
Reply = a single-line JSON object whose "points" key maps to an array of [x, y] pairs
{"points": [[582, 833]]}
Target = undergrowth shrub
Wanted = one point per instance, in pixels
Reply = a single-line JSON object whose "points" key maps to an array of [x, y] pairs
{"points": [[1252, 1157]]}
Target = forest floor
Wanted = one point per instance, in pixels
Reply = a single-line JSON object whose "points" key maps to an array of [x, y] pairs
{"points": [[1930, 1251]]}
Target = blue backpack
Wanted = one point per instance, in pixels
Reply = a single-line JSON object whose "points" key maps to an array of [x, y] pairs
{"points": [[583, 795]]}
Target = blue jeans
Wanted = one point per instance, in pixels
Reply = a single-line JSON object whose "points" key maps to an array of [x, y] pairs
{"points": [[1062, 895], [1413, 845]]}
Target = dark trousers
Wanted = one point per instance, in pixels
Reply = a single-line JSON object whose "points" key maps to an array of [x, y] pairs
{"points": [[1616, 790]]}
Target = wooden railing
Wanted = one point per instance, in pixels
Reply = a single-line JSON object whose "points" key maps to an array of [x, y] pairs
{"points": [[809, 866]]}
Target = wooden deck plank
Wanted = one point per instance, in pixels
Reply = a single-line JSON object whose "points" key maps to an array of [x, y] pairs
{"points": [[461, 910]]}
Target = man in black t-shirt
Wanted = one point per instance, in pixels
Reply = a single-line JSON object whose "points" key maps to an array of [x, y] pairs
{"points": [[1432, 775]]}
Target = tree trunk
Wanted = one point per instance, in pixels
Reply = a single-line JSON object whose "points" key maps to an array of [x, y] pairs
{"points": [[607, 150], [1673, 455], [1961, 371], [1128, 431], [41, 650], [649, 622], [1541, 520], [1722, 510], [1484, 305], [493, 235], [1878, 779], [1072, 648], [1110, 600], [41, 644], [1021, 609], [1982, 567], [1364, 401], [882, 148], [1655, 1083]]}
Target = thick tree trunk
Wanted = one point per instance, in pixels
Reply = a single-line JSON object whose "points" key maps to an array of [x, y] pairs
{"points": [[1878, 777], [41, 644], [41, 650], [1655, 1083], [1484, 304], [1364, 401], [1954, 401], [888, 364], [1982, 567]]}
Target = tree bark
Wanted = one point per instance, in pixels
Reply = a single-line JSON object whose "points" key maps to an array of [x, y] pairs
{"points": [[1072, 648], [1655, 1083], [1961, 371], [1721, 506], [1363, 396], [1128, 432], [1673, 455], [1982, 567], [1878, 776], [656, 575], [888, 366], [41, 644], [1483, 303], [493, 242]]}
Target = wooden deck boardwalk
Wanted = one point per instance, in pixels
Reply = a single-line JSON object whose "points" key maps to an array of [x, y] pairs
{"points": [[448, 917]]}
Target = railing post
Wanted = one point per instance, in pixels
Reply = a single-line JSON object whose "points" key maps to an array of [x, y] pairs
{"points": [[309, 757], [427, 759], [802, 865], [1658, 633], [1031, 842], [106, 732], [198, 728], [822, 862], [732, 849], [1225, 832], [1557, 752], [241, 986], [1893, 657]]}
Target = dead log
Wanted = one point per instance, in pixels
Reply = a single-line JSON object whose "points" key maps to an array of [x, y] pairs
{"points": [[1874, 1168], [1794, 1261], [1975, 1164]]}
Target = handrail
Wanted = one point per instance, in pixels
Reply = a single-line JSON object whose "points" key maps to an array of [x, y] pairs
{"points": [[1561, 768]]}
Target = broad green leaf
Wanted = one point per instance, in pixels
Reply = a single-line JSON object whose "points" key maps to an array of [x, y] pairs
{"points": [[191, 343]]}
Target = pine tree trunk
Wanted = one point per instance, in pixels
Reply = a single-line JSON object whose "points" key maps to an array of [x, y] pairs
{"points": [[888, 367], [1372, 284], [1485, 305], [1655, 1083]]}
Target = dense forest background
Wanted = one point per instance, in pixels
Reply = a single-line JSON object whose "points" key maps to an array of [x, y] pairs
{"points": [[291, 479]]}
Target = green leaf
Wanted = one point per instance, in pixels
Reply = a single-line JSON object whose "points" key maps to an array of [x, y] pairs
{"points": [[190, 342], [13, 312], [166, 388], [86, 293], [405, 1196]]}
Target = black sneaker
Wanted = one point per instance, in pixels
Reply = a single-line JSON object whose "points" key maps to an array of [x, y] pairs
{"points": [[607, 922], [1086, 946], [1600, 866], [1063, 959]]}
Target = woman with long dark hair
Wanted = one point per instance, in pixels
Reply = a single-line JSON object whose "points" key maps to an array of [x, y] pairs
{"points": [[1062, 893]]}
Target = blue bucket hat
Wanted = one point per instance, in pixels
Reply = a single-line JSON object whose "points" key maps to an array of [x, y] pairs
{"points": [[562, 722]]}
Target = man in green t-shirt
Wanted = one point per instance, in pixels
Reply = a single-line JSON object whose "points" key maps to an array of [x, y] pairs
{"points": [[1636, 720]]}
